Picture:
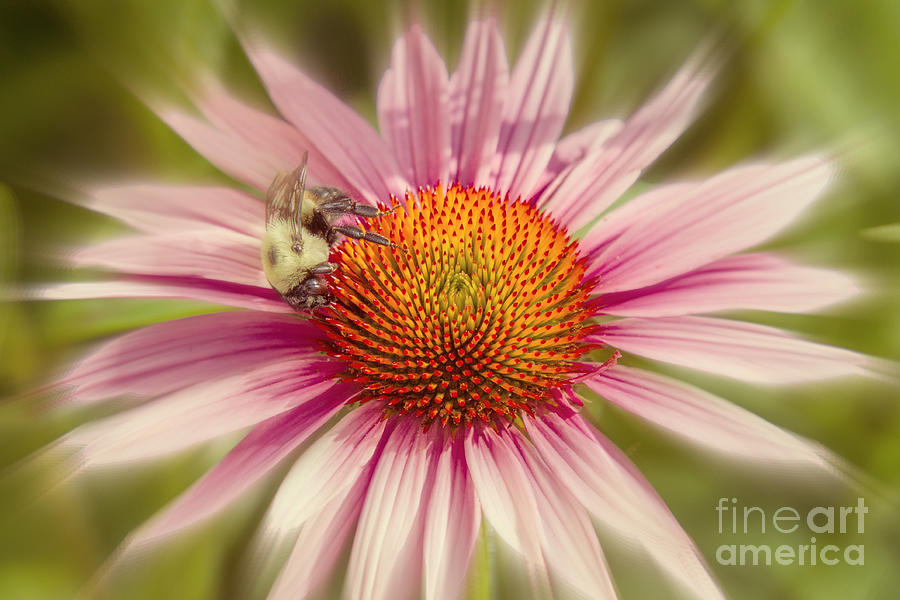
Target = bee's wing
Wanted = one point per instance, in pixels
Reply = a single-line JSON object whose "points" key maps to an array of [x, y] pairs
{"points": [[284, 200]]}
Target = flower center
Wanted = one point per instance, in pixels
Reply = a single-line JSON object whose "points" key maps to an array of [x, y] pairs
{"points": [[477, 315]]}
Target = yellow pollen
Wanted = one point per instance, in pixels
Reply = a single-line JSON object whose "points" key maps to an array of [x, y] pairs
{"points": [[479, 314]]}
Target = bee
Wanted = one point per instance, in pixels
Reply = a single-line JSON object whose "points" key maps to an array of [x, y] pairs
{"points": [[300, 234]]}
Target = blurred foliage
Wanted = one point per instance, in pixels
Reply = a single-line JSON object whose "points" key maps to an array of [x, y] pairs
{"points": [[800, 74], [885, 233]]}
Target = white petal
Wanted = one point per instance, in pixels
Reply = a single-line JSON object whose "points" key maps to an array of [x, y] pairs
{"points": [[451, 525], [568, 540], [386, 560], [616, 494], [316, 505], [504, 490], [318, 547], [323, 474], [251, 460]]}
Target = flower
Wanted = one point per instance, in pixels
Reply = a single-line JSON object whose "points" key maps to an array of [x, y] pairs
{"points": [[443, 382]]}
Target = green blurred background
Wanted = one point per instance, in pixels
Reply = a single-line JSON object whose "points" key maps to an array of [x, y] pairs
{"points": [[800, 74]]}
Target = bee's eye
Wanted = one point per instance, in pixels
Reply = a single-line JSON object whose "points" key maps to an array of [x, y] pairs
{"points": [[315, 286]]}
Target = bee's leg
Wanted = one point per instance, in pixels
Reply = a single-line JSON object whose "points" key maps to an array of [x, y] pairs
{"points": [[358, 234], [325, 268], [348, 206]]}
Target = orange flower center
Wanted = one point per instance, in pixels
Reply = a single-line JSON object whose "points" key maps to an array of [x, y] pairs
{"points": [[478, 314]]}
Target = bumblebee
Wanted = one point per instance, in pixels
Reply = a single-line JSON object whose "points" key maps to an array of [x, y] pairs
{"points": [[300, 234]]}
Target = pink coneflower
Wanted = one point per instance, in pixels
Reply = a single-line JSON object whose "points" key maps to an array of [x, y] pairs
{"points": [[443, 380]]}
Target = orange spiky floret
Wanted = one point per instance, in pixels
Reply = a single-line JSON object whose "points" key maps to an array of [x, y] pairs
{"points": [[477, 315]]}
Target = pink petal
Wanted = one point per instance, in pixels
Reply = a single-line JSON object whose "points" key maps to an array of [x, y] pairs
{"points": [[204, 290], [325, 472], [413, 109], [615, 493], [586, 188], [702, 418], [318, 501], [576, 145], [747, 281], [568, 538], [225, 150], [477, 94], [679, 227], [504, 489], [211, 254], [247, 143], [387, 552], [451, 525], [343, 138], [201, 413], [537, 104], [735, 349], [318, 547], [266, 134], [251, 460], [168, 356], [154, 208]]}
